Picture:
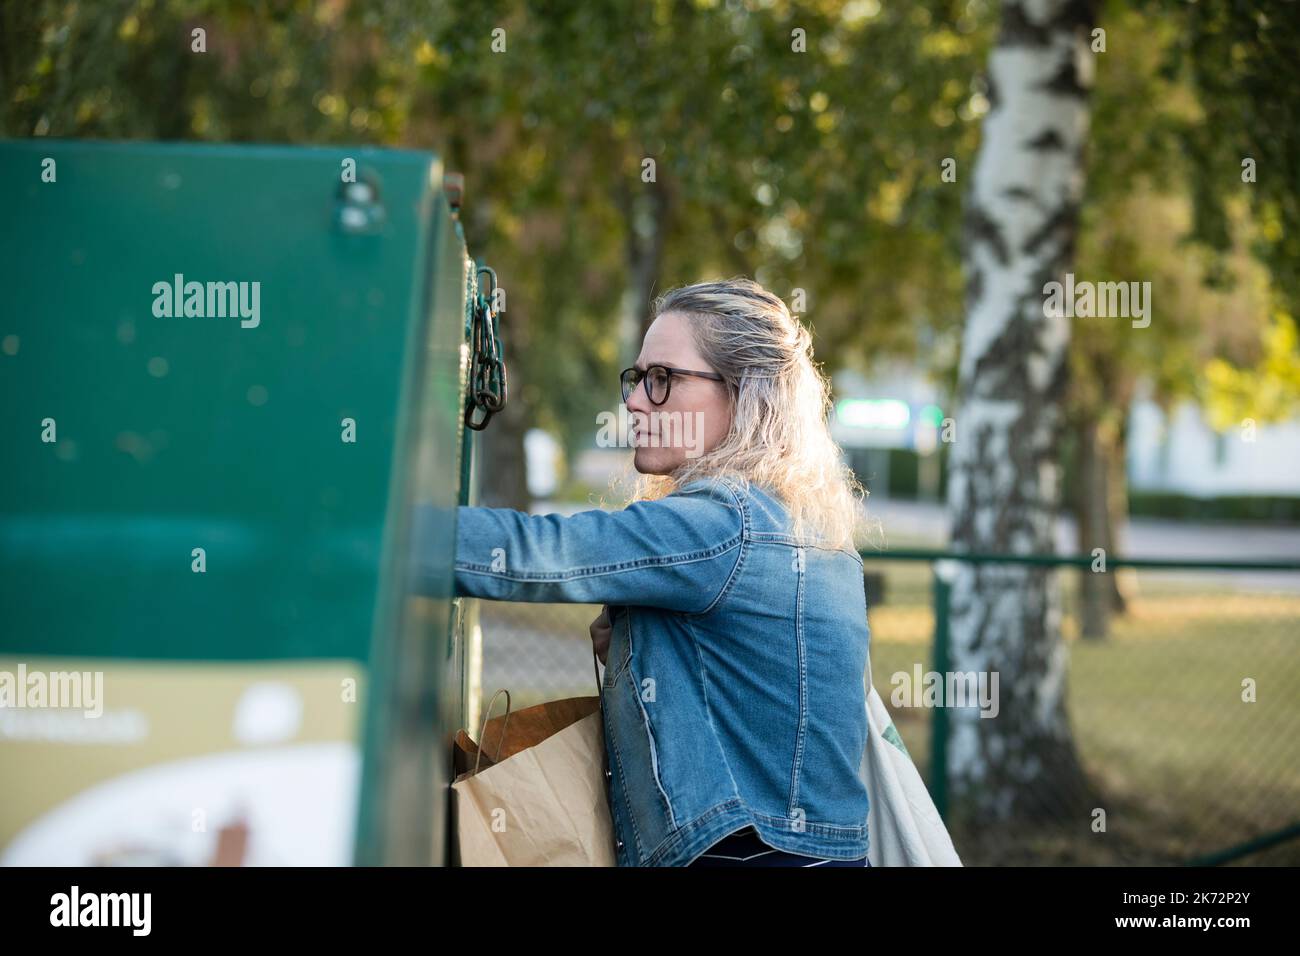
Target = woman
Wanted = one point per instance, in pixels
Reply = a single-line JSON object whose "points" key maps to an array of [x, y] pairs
{"points": [[734, 633]]}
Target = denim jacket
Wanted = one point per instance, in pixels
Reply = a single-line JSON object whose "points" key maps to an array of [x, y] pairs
{"points": [[733, 693]]}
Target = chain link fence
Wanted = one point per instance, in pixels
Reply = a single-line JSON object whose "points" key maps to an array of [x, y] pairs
{"points": [[1186, 768]]}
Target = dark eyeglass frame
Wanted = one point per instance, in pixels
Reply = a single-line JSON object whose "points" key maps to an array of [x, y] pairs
{"points": [[668, 386]]}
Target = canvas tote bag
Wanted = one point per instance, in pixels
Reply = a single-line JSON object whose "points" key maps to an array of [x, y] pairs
{"points": [[531, 790], [903, 825]]}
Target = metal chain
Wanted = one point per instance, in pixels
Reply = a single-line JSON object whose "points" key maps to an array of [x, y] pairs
{"points": [[487, 377]]}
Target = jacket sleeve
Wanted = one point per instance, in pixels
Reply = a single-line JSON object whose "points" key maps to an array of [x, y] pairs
{"points": [[676, 553]]}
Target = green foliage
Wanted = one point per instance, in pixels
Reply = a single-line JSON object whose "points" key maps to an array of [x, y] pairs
{"points": [[817, 171], [1268, 392], [1241, 59], [1166, 204]]}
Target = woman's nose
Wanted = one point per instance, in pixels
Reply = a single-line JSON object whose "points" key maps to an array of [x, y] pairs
{"points": [[637, 400]]}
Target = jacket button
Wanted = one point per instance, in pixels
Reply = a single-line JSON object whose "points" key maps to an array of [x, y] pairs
{"points": [[609, 774], [620, 844]]}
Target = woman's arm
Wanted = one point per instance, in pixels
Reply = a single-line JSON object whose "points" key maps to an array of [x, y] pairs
{"points": [[677, 552]]}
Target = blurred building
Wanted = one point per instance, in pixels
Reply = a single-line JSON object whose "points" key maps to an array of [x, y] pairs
{"points": [[1180, 453]]}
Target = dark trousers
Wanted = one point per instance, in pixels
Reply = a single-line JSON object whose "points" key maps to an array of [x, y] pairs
{"points": [[744, 848]]}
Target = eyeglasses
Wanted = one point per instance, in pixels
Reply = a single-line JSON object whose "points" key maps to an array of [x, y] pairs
{"points": [[658, 380]]}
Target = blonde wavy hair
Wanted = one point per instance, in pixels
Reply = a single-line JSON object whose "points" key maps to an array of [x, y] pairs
{"points": [[780, 405]]}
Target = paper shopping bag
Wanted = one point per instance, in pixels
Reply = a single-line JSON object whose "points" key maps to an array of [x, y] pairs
{"points": [[533, 789], [903, 825]]}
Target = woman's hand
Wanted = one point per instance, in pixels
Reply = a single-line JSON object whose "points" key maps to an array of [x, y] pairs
{"points": [[601, 628]]}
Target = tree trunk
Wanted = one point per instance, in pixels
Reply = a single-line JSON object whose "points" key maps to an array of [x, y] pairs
{"points": [[1092, 517], [504, 474], [647, 210], [1117, 509], [502, 461], [1002, 496], [1101, 511]]}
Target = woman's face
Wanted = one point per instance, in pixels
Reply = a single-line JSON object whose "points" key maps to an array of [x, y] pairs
{"points": [[697, 414]]}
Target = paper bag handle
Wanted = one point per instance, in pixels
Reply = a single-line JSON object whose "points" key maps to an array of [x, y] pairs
{"points": [[483, 728], [595, 665]]}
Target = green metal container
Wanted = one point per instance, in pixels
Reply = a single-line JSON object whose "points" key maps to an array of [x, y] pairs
{"points": [[228, 374]]}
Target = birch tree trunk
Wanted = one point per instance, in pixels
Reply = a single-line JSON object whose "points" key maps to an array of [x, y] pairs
{"points": [[1020, 228]]}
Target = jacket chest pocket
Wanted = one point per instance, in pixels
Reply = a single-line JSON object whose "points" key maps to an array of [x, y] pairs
{"points": [[636, 760], [620, 646]]}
